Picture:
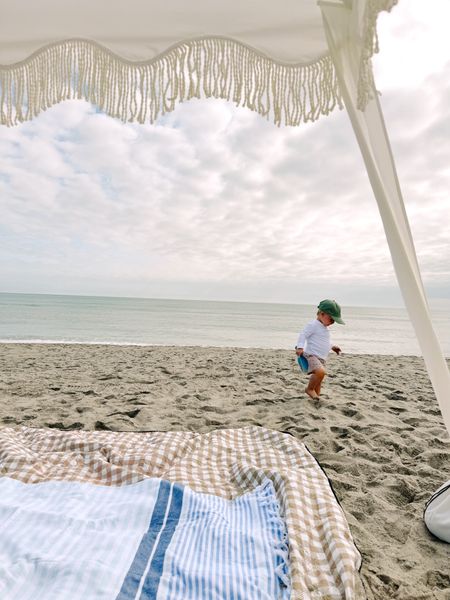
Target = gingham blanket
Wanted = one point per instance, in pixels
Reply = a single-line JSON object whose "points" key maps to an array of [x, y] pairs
{"points": [[323, 560]]}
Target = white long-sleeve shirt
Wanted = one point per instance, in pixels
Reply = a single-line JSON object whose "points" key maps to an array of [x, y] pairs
{"points": [[315, 339]]}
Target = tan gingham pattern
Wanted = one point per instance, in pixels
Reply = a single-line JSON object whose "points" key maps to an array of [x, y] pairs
{"points": [[324, 561]]}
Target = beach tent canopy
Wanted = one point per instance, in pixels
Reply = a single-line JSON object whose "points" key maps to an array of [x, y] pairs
{"points": [[136, 59], [291, 61]]}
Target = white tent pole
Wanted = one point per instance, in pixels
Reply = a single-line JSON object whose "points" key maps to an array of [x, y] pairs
{"points": [[373, 141]]}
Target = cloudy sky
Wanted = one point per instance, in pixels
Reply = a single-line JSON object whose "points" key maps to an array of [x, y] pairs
{"points": [[214, 202]]}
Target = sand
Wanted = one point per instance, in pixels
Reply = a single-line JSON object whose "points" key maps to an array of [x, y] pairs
{"points": [[376, 430]]}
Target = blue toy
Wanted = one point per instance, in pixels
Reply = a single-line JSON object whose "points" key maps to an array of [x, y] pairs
{"points": [[302, 363]]}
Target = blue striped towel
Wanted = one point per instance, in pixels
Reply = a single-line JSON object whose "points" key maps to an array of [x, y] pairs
{"points": [[150, 540]]}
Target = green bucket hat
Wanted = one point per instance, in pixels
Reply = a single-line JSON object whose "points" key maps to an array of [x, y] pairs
{"points": [[332, 308]]}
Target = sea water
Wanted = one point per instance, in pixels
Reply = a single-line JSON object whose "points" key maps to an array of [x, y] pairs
{"points": [[40, 318]]}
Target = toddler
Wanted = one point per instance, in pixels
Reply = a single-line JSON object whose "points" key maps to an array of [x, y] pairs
{"points": [[314, 343]]}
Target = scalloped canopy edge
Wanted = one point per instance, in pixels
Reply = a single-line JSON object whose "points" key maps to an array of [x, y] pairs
{"points": [[286, 93]]}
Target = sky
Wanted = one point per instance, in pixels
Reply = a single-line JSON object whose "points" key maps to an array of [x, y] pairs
{"points": [[213, 202]]}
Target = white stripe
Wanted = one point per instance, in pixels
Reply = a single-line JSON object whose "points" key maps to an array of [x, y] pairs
{"points": [[191, 558], [239, 526], [214, 562], [66, 539], [269, 558]]}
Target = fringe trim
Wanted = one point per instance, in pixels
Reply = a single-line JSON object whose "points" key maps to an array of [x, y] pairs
{"points": [[280, 540], [143, 91], [370, 47]]}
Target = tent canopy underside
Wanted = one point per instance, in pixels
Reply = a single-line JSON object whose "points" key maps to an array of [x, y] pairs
{"points": [[137, 60]]}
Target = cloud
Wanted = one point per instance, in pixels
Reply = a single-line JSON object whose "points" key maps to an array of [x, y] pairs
{"points": [[216, 198]]}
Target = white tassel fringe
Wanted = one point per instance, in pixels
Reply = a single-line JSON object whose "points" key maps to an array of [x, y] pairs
{"points": [[206, 67], [370, 47]]}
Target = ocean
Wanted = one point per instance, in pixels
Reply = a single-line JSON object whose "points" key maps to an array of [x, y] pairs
{"points": [[41, 318]]}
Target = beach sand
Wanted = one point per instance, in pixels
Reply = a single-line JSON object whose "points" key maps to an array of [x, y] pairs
{"points": [[376, 430]]}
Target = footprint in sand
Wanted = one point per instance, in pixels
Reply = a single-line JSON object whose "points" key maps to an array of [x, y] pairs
{"points": [[128, 413], [216, 409], [350, 412], [437, 460], [402, 492], [438, 579], [101, 426], [342, 432], [59, 425]]}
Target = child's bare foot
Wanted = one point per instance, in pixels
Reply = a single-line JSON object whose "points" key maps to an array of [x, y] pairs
{"points": [[311, 393]]}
